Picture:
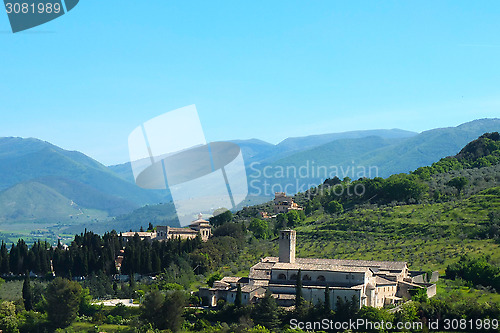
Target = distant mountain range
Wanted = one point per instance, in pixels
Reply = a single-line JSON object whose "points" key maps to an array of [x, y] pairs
{"points": [[396, 154], [43, 183], [349, 154]]}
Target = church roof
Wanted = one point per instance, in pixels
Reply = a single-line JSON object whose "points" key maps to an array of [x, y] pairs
{"points": [[140, 233], [200, 222], [380, 281], [181, 231], [381, 265], [320, 267], [337, 265]]}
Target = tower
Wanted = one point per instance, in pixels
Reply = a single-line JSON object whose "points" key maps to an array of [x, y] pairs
{"points": [[287, 246]]}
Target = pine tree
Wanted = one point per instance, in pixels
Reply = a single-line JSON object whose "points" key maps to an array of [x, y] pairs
{"points": [[266, 312], [27, 293]]}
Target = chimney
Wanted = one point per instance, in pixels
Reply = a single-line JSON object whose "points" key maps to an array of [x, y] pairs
{"points": [[287, 246]]}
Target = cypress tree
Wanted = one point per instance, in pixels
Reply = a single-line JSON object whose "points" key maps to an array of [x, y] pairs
{"points": [[237, 300], [298, 291], [132, 282], [4, 252], [27, 293], [327, 300]]}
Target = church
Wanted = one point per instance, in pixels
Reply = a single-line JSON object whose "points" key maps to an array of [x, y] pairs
{"points": [[370, 283]]}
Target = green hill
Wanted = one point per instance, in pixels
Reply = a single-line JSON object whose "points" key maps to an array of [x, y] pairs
{"points": [[428, 236], [27, 164], [31, 200], [430, 228]]}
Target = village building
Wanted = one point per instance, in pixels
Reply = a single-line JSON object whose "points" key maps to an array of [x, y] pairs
{"points": [[283, 203], [370, 283], [198, 227]]}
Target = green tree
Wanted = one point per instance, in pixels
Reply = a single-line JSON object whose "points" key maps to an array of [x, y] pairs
{"points": [[27, 293], [237, 300], [63, 300], [266, 312], [173, 308], [418, 294], [219, 219], [213, 278], [131, 283], [86, 307], [294, 217], [334, 207], [375, 315], [299, 300], [326, 303], [346, 309], [408, 313], [8, 320], [151, 308], [260, 228], [281, 222], [459, 183]]}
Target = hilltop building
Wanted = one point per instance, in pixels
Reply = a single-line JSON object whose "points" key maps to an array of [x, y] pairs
{"points": [[370, 283], [198, 227], [284, 204]]}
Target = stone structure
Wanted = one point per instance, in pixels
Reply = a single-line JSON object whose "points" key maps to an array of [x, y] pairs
{"points": [[284, 204], [370, 283], [198, 227]]}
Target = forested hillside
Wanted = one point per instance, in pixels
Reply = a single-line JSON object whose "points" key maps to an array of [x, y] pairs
{"points": [[443, 217]]}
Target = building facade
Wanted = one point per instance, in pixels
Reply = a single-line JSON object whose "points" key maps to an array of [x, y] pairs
{"points": [[283, 203], [198, 227], [370, 283]]}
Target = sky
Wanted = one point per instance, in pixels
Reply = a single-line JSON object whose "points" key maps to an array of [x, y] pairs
{"points": [[254, 69]]}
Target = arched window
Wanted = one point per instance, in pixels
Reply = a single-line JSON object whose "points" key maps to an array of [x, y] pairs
{"points": [[307, 278], [282, 277], [293, 277], [320, 278]]}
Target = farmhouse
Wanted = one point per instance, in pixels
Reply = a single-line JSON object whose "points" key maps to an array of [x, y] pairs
{"points": [[370, 283]]}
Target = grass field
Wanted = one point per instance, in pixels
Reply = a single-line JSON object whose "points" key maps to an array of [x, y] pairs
{"points": [[89, 327]]}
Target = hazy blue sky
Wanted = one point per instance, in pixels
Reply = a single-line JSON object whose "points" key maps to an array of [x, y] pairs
{"points": [[263, 69]]}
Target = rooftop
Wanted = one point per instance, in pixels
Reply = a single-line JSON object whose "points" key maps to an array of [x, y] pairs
{"points": [[320, 264]]}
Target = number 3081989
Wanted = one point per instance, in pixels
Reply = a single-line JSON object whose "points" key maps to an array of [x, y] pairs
{"points": [[40, 8]]}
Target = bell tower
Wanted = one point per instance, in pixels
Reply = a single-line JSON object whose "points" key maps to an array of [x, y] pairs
{"points": [[287, 246]]}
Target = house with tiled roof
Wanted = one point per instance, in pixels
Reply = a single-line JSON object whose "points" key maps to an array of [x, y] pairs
{"points": [[370, 283], [197, 227]]}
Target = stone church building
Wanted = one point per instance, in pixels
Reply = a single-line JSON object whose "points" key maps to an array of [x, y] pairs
{"points": [[372, 283]]}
